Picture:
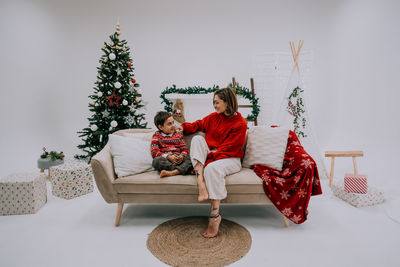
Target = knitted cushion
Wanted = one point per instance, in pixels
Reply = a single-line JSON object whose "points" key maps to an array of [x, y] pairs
{"points": [[130, 155], [266, 145]]}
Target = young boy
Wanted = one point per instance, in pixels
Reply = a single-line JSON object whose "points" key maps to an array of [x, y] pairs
{"points": [[168, 147]]}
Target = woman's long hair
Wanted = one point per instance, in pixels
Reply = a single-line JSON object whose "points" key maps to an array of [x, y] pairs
{"points": [[229, 97]]}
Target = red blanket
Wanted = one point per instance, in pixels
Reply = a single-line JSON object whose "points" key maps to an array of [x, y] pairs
{"points": [[290, 189]]}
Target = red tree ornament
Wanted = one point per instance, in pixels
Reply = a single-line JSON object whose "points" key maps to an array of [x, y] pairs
{"points": [[113, 99], [133, 80], [129, 64]]}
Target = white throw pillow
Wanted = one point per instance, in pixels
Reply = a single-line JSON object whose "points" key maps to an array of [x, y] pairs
{"points": [[130, 155], [143, 136], [266, 145]]}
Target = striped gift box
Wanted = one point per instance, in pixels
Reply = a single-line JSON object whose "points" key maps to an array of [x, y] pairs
{"points": [[355, 183]]}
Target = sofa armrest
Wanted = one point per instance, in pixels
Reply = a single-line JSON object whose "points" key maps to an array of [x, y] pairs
{"points": [[103, 171]]}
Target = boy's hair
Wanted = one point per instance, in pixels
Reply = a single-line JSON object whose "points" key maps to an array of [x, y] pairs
{"points": [[161, 117], [228, 96]]}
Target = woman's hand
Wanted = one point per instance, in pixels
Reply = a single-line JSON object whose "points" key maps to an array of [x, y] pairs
{"points": [[179, 128]]}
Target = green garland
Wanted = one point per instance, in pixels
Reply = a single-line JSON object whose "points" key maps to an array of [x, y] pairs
{"points": [[239, 90], [297, 111]]}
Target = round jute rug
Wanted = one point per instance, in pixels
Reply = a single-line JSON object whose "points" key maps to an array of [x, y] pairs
{"points": [[179, 242]]}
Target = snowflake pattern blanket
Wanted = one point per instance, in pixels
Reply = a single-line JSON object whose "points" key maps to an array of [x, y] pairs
{"points": [[290, 189]]}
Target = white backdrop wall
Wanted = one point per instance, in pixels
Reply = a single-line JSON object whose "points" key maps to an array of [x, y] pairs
{"points": [[49, 52]]}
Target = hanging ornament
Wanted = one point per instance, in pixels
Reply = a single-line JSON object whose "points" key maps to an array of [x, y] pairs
{"points": [[129, 120], [124, 102], [132, 88], [116, 47], [117, 85], [111, 56], [105, 60], [105, 46], [114, 124], [133, 80], [99, 94], [128, 64], [105, 113], [113, 99], [132, 108], [118, 71], [93, 127], [136, 99]]}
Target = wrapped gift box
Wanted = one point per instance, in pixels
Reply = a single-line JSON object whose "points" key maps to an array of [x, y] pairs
{"points": [[372, 197], [22, 193], [72, 179], [355, 183]]}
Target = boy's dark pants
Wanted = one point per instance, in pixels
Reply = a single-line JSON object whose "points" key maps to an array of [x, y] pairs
{"points": [[161, 163]]}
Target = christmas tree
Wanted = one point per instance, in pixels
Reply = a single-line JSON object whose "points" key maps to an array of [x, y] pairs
{"points": [[116, 102]]}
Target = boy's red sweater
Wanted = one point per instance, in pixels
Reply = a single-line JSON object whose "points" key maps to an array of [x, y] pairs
{"points": [[226, 134], [161, 144]]}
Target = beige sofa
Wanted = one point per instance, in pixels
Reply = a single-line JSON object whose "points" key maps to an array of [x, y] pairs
{"points": [[243, 187]]}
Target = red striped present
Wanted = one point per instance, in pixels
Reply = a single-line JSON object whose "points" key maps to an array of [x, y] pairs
{"points": [[355, 183]]}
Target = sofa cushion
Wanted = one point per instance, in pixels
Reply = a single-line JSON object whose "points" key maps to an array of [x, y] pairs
{"points": [[139, 130], [142, 136], [146, 134], [243, 182], [266, 146], [188, 139], [130, 155]]}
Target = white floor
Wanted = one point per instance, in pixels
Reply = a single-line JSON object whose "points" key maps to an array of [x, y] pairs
{"points": [[80, 232]]}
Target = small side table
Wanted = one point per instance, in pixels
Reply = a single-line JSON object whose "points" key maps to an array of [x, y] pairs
{"points": [[46, 163], [346, 153]]}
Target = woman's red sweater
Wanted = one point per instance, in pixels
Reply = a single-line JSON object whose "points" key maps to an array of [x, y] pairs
{"points": [[226, 134]]}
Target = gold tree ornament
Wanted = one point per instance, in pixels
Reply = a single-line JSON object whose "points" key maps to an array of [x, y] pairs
{"points": [[117, 47]]}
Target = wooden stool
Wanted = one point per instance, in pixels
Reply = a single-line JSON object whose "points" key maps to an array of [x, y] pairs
{"points": [[333, 154]]}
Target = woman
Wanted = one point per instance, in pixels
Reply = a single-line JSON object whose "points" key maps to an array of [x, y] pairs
{"points": [[219, 153]]}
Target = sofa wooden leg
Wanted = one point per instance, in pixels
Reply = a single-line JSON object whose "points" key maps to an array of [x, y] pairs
{"points": [[286, 221], [119, 212]]}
